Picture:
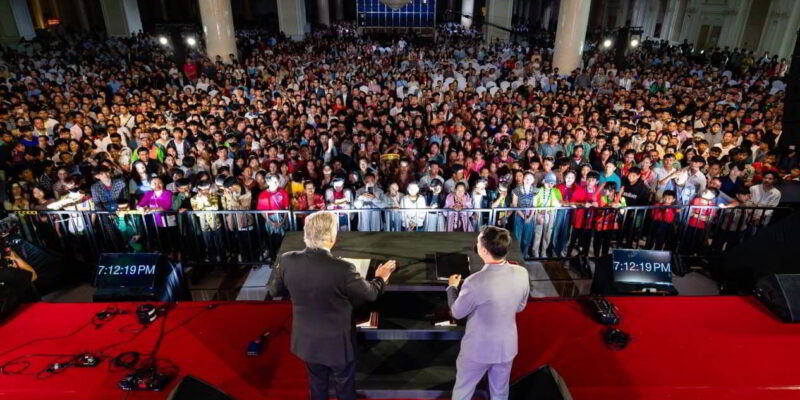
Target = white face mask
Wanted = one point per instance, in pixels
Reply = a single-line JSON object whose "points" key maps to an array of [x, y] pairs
{"points": [[528, 180]]}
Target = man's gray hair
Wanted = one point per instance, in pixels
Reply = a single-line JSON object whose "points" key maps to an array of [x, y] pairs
{"points": [[320, 228]]}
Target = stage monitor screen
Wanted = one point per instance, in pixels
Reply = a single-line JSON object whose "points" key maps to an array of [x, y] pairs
{"points": [[642, 267], [127, 270], [396, 13]]}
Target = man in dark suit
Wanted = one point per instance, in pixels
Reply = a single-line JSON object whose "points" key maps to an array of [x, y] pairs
{"points": [[323, 289]]}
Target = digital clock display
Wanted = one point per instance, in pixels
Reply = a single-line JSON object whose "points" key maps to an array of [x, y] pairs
{"points": [[118, 270], [642, 266]]}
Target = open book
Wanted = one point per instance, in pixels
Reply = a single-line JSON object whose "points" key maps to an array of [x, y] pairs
{"points": [[362, 265], [368, 323]]}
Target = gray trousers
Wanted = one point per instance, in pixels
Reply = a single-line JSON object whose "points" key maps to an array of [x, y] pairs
{"points": [[469, 373]]}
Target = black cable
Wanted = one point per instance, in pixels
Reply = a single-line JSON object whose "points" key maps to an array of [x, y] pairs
{"points": [[127, 360]]}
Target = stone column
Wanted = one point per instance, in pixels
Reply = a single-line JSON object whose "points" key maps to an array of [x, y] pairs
{"points": [[53, 6], [217, 17], [526, 11], [467, 8], [122, 17], [163, 9], [15, 21], [498, 13], [573, 16], [83, 17], [37, 14], [339, 10], [292, 18], [323, 12]]}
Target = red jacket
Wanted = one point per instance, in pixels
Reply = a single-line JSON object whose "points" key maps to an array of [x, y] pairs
{"points": [[278, 200], [664, 214], [575, 195], [700, 216]]}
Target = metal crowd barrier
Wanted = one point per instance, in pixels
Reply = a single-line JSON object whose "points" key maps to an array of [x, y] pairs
{"points": [[253, 237]]}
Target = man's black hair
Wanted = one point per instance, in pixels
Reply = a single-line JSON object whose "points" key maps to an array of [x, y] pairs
{"points": [[495, 240]]}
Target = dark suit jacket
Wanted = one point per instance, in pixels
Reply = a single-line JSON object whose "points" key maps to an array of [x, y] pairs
{"points": [[323, 289]]}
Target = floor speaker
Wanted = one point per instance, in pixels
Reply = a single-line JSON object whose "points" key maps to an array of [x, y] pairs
{"points": [[544, 383], [191, 388], [781, 294]]}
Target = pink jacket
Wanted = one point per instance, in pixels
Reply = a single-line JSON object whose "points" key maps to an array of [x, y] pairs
{"points": [[453, 215]]}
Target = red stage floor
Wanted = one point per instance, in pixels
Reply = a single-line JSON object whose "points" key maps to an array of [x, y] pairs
{"points": [[682, 348]]}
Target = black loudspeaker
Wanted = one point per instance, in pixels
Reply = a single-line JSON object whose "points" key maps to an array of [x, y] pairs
{"points": [[781, 294], [544, 383], [773, 250], [9, 301], [191, 388]]}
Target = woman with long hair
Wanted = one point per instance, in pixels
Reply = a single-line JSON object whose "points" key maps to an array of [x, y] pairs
{"points": [[139, 182]]}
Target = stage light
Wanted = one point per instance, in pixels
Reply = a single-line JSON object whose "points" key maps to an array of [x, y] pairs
{"points": [[191, 41], [163, 40], [607, 43], [634, 42]]}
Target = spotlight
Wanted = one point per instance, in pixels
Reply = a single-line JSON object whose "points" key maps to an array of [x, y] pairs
{"points": [[607, 43], [163, 40], [191, 41], [634, 42]]}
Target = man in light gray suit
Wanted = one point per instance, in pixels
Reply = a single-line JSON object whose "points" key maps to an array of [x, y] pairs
{"points": [[490, 300]]}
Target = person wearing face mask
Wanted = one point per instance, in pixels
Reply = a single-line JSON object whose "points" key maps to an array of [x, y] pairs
{"points": [[684, 192], [524, 223], [413, 221], [338, 197], [548, 196], [273, 199], [370, 196], [435, 198]]}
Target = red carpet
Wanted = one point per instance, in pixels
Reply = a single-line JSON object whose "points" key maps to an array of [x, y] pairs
{"points": [[682, 348]]}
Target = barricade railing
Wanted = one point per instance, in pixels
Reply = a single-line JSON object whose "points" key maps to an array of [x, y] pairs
{"points": [[254, 237]]}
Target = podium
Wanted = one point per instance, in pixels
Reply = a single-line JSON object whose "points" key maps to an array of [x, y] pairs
{"points": [[407, 355]]}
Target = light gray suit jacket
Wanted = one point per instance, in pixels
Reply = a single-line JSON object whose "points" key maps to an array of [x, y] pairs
{"points": [[490, 299]]}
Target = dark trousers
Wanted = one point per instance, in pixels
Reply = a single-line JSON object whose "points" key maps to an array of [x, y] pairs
{"points": [[344, 380], [660, 236], [602, 241]]}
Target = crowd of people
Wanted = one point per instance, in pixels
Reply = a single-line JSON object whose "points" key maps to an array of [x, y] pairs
{"points": [[342, 122]]}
